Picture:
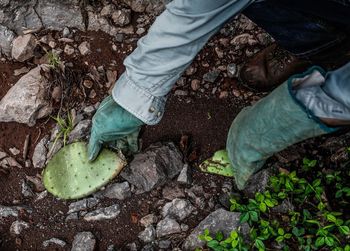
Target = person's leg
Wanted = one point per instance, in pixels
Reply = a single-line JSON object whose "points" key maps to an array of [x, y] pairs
{"points": [[309, 34]]}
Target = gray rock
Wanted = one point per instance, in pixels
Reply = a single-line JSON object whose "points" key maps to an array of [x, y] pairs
{"points": [[84, 48], [131, 246], [148, 220], [18, 226], [173, 192], [83, 204], [106, 213], [220, 220], [2, 155], [21, 71], [118, 191], [154, 166], [285, 207], [232, 70], [108, 10], [72, 216], [11, 211], [26, 100], [148, 247], [211, 76], [65, 32], [6, 38], [57, 15], [26, 190], [121, 17], [178, 209], [167, 226], [111, 248], [84, 241], [258, 182], [185, 176], [80, 131], [40, 152], [148, 235], [9, 162], [154, 6], [164, 244], [23, 47], [54, 241]]}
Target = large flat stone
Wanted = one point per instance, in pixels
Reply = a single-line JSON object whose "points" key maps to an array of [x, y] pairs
{"points": [[26, 101]]}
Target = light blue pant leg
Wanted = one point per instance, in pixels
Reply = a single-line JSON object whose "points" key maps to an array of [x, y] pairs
{"points": [[327, 95], [171, 44]]}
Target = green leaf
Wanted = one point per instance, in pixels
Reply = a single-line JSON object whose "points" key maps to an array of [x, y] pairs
{"points": [[262, 207], [269, 203], [234, 235], [320, 241], [279, 238], [259, 244], [208, 238], [280, 231], [344, 230], [331, 218], [254, 216], [244, 217], [234, 243], [288, 236], [206, 231], [219, 236], [329, 241]]}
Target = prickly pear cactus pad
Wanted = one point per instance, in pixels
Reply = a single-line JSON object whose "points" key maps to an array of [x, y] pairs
{"points": [[69, 174]]}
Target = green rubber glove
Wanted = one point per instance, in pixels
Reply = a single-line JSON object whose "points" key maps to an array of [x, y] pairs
{"points": [[115, 126]]}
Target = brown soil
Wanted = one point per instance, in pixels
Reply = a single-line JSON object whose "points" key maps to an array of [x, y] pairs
{"points": [[205, 120]]}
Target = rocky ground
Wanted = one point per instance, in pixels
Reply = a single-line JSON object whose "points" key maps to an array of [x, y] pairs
{"points": [[66, 61]]}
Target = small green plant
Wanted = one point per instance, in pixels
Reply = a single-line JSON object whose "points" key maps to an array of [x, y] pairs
{"points": [[234, 242], [308, 164], [54, 59], [65, 126]]}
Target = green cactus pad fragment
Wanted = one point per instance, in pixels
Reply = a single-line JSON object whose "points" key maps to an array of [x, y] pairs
{"points": [[218, 164], [69, 174]]}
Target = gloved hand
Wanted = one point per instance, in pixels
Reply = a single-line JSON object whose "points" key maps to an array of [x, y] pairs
{"points": [[115, 126]]}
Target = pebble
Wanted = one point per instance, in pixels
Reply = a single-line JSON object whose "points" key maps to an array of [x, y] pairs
{"points": [[69, 50], [26, 190], [2, 155], [167, 227], [211, 76], [148, 235], [164, 244], [195, 84], [181, 93], [56, 93], [232, 70], [18, 226], [223, 94], [88, 83], [14, 151], [171, 193], [122, 17], [119, 191], [140, 31], [185, 175], [178, 209], [191, 70], [106, 213], [65, 32], [84, 241], [148, 220], [40, 152], [92, 94], [21, 71], [119, 38], [84, 48], [54, 241], [83, 204]]}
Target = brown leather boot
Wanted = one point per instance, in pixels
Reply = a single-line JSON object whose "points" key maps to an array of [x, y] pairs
{"points": [[269, 68]]}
